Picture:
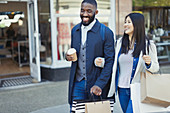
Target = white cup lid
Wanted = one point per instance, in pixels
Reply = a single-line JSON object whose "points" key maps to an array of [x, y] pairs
{"points": [[71, 51]]}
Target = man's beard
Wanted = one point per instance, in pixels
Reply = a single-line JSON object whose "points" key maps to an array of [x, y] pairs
{"points": [[90, 20]]}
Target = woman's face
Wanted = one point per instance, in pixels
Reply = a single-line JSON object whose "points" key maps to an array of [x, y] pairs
{"points": [[128, 26]]}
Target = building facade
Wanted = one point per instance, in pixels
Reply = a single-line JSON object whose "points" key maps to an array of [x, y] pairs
{"points": [[47, 27]]}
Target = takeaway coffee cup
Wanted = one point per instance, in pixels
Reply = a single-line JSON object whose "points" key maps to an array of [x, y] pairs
{"points": [[99, 62], [72, 52]]}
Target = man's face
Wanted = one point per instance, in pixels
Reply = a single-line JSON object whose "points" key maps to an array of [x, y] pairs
{"points": [[87, 13]]}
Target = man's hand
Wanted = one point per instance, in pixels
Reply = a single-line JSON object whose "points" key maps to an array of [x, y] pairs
{"points": [[96, 90], [69, 57]]}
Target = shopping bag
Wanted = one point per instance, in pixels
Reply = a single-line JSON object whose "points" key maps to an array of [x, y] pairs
{"points": [[98, 107], [140, 107], [155, 89], [78, 106]]}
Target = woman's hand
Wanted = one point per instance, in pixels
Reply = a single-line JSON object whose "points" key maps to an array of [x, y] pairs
{"points": [[147, 59]]}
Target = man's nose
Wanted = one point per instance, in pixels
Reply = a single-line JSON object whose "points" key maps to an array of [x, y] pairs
{"points": [[85, 13]]}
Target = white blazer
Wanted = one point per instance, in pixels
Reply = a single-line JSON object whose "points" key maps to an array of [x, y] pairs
{"points": [[140, 66]]}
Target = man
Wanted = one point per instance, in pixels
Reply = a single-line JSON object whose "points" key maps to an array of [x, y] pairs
{"points": [[85, 77]]}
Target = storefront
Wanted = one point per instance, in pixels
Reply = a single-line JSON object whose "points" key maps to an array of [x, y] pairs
{"points": [[21, 56], [48, 25], [64, 16], [157, 25]]}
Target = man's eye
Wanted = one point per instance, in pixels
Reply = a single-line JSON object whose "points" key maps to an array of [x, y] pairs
{"points": [[82, 10], [89, 11]]}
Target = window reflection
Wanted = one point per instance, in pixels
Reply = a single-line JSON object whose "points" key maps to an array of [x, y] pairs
{"points": [[64, 26], [45, 31], [65, 22]]}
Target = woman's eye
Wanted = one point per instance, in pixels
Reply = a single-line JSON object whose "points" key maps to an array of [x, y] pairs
{"points": [[129, 22]]}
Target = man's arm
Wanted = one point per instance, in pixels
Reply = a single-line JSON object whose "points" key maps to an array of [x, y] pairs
{"points": [[109, 59]]}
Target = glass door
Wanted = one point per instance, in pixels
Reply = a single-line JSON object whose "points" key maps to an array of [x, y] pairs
{"points": [[33, 29]]}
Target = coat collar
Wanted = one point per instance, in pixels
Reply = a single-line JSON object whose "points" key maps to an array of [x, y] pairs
{"points": [[94, 28]]}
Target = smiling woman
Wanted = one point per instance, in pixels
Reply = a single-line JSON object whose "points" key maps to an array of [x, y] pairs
{"points": [[134, 54], [128, 27]]}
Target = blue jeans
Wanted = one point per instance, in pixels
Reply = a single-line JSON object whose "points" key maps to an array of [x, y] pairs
{"points": [[125, 101], [79, 91]]}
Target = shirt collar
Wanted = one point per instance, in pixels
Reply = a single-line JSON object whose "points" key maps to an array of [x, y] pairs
{"points": [[90, 25]]}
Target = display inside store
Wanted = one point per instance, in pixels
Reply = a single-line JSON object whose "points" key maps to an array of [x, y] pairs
{"points": [[6, 18]]}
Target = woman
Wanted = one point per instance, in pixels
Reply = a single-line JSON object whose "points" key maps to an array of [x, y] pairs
{"points": [[133, 54]]}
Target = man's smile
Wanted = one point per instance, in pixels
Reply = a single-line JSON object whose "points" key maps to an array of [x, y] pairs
{"points": [[86, 19]]}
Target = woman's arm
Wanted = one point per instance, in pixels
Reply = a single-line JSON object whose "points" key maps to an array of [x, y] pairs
{"points": [[154, 65]]}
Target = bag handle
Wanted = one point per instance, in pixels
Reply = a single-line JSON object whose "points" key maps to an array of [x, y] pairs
{"points": [[93, 99]]}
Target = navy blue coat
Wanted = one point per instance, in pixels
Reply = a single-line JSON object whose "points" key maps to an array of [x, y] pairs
{"points": [[95, 47]]}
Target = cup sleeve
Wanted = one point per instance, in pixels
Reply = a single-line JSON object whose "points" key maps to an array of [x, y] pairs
{"points": [[103, 62]]}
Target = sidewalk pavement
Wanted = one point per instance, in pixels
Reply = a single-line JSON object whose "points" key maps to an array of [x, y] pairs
{"points": [[65, 109], [56, 109], [47, 97]]}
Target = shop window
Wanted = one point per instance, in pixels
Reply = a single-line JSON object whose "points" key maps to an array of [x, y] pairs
{"points": [[45, 31], [67, 12], [64, 26]]}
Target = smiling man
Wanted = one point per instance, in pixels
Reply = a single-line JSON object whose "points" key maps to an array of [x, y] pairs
{"points": [[88, 12], [90, 39]]}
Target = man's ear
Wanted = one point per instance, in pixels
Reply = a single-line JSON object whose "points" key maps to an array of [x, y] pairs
{"points": [[96, 12]]}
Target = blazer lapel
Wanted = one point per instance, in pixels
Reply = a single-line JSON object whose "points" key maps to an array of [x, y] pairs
{"points": [[139, 64], [118, 46], [140, 61], [77, 36]]}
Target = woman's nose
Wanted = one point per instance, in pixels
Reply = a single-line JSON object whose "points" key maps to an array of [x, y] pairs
{"points": [[125, 25]]}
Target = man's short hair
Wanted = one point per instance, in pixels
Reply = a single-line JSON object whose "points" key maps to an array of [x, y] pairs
{"points": [[93, 2]]}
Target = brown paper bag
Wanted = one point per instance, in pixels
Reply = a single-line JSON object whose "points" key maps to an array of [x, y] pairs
{"points": [[98, 107], [155, 89]]}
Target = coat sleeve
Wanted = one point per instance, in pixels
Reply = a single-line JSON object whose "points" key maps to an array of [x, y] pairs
{"points": [[154, 59], [109, 53]]}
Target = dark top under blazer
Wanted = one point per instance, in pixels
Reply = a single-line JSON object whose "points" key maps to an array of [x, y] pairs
{"points": [[95, 47]]}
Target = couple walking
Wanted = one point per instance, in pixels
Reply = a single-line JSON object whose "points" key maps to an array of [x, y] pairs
{"points": [[122, 63]]}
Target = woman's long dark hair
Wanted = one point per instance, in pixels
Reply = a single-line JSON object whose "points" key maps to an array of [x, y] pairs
{"points": [[138, 35]]}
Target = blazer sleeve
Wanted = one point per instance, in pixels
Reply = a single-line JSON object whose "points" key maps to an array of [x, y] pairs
{"points": [[109, 53], [154, 59]]}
